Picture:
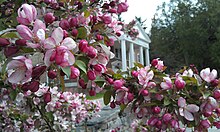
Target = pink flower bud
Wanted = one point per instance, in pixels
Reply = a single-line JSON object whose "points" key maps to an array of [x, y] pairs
{"points": [[49, 18], [10, 51], [159, 97], [110, 42], [118, 84], [47, 97], [91, 75], [217, 124], [38, 71], [216, 94], [215, 82], [167, 117], [65, 34], [174, 124], [24, 32], [98, 68], [4, 42], [144, 92], [82, 83], [112, 10], [154, 62], [52, 74], [205, 123], [64, 24], [217, 110], [180, 83], [112, 4], [74, 72], [99, 37], [134, 73], [152, 121], [110, 80], [130, 97], [112, 105], [92, 93], [122, 7], [21, 42], [73, 22], [156, 110], [26, 14], [74, 32], [91, 52], [34, 86], [107, 19], [83, 46], [159, 124], [207, 113]]}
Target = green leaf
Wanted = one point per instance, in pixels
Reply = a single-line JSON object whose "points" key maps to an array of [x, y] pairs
{"points": [[82, 33], [86, 13], [122, 107], [13, 94], [81, 65], [107, 97], [166, 101], [10, 35], [206, 94], [138, 65], [49, 115], [117, 76], [66, 70]]}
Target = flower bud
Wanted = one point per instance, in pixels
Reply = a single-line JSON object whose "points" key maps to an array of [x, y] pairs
{"points": [[130, 97], [110, 42], [112, 105], [38, 71], [65, 34], [83, 46], [156, 110], [99, 37], [25, 87], [205, 123], [159, 97], [64, 24], [34, 86], [21, 42], [112, 4], [91, 52], [10, 51], [118, 84], [4, 42], [144, 92], [91, 75], [152, 121], [122, 7], [107, 19], [47, 97], [49, 18], [207, 113], [92, 93], [52, 74], [26, 14], [214, 83], [105, 6], [174, 124], [159, 124], [74, 32], [217, 124], [112, 10], [74, 72], [134, 73], [73, 22], [216, 94], [154, 62], [98, 68], [167, 117], [110, 80], [82, 83], [24, 32], [180, 83]]}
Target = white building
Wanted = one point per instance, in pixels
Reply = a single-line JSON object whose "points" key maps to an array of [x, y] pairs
{"points": [[128, 51]]}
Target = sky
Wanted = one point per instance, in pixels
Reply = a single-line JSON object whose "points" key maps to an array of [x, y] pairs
{"points": [[142, 8]]}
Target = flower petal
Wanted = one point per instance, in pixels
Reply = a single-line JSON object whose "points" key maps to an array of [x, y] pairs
{"points": [[181, 102], [188, 115], [181, 111], [24, 32], [71, 58], [57, 35], [69, 43], [16, 76], [47, 57], [49, 43], [192, 108], [32, 45], [38, 24]]}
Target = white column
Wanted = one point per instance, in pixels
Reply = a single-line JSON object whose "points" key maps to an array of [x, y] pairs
{"points": [[123, 55], [147, 58], [131, 52], [141, 55]]}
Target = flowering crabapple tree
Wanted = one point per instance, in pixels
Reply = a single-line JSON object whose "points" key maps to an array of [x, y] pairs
{"points": [[72, 39]]}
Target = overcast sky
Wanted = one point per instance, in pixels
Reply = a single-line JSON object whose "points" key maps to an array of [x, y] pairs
{"points": [[142, 8]]}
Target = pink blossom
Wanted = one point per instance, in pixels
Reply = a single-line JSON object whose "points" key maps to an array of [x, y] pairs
{"points": [[4, 42], [58, 49], [180, 83], [188, 73], [122, 7], [49, 18], [160, 65], [26, 14], [107, 19], [91, 75], [74, 72], [118, 84], [207, 75], [209, 105], [19, 69], [216, 94], [167, 84], [205, 123], [187, 110], [144, 76]]}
